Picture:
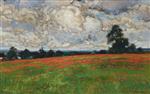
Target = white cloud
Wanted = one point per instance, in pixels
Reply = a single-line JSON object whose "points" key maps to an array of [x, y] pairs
{"points": [[59, 24]]}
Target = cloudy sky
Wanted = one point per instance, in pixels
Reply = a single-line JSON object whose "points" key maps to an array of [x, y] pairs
{"points": [[72, 24]]}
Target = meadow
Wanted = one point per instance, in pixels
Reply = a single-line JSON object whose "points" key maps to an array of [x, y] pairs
{"points": [[79, 74]]}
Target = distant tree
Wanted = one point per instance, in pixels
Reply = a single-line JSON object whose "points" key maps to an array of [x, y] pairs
{"points": [[26, 54], [115, 33], [50, 53], [139, 50], [12, 54], [35, 54], [116, 38], [132, 48], [102, 51], [59, 53], [2, 55], [42, 53]]}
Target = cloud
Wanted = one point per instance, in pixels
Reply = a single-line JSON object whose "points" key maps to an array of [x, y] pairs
{"points": [[92, 24], [117, 6], [71, 24], [69, 17]]}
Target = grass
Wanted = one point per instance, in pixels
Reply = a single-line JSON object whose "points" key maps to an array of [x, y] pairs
{"points": [[96, 78]]}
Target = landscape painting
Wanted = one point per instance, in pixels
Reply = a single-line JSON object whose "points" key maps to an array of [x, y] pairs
{"points": [[75, 47]]}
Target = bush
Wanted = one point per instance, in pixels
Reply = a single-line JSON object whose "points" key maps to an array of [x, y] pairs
{"points": [[12, 53]]}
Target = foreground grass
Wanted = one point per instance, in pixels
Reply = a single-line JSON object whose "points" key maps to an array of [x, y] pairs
{"points": [[105, 78], [97, 75]]}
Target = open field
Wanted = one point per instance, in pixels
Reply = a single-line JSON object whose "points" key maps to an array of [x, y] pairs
{"points": [[80, 74]]}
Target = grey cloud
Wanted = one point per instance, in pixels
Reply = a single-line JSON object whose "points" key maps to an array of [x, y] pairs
{"points": [[74, 25]]}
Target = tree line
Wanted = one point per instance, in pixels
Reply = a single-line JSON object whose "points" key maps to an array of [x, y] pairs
{"points": [[13, 54], [115, 39]]}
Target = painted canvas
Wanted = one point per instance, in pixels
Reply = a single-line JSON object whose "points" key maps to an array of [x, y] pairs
{"points": [[75, 47]]}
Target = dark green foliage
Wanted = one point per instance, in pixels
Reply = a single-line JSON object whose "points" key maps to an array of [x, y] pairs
{"points": [[139, 50], [12, 53], [59, 53], [26, 54], [42, 53], [119, 44], [50, 53], [115, 33], [132, 48]]}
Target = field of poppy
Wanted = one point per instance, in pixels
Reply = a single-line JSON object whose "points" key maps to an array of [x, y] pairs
{"points": [[79, 74]]}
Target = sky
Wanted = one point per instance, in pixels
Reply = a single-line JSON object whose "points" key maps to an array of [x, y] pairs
{"points": [[72, 24]]}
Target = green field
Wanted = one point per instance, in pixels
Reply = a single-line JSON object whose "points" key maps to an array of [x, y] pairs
{"points": [[94, 78]]}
